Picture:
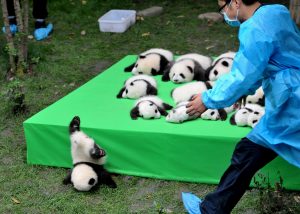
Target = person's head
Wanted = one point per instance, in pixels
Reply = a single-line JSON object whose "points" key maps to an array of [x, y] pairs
{"points": [[238, 9]]}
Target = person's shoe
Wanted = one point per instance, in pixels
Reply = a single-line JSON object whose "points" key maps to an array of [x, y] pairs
{"points": [[13, 29], [43, 32], [191, 203]]}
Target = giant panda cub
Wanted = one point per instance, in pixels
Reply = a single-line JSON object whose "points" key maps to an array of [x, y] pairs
{"points": [[138, 86], [188, 90], [220, 66], [186, 68], [151, 62], [149, 107], [217, 114], [88, 161], [248, 116], [178, 114], [257, 98]]}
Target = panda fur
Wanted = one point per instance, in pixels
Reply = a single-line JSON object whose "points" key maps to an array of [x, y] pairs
{"points": [[149, 107], [255, 114], [178, 114], [220, 66], [257, 98], [214, 114], [248, 116], [186, 68], [151, 62], [188, 90], [138, 86], [240, 118], [88, 161]]}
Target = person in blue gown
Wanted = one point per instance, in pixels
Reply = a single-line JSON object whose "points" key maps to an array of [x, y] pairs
{"points": [[268, 56]]}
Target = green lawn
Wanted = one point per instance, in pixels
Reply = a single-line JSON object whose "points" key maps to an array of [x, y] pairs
{"points": [[68, 60]]}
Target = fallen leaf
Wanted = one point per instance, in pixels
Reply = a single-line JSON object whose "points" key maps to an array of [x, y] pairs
{"points": [[297, 199], [83, 33], [16, 201], [30, 37], [181, 16], [83, 2], [146, 34], [209, 47]]}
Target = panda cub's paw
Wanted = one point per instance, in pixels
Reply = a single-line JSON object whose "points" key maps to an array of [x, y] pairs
{"points": [[74, 125]]}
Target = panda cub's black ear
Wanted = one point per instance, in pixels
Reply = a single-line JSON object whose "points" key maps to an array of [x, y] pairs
{"points": [[129, 68], [134, 113], [119, 95]]}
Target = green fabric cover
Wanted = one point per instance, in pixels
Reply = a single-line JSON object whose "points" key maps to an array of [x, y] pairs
{"points": [[195, 151]]}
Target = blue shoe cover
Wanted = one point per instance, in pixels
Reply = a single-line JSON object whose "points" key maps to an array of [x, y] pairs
{"points": [[191, 203], [13, 29], [43, 33]]}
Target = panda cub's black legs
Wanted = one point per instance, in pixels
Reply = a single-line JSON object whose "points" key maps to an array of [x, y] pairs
{"points": [[105, 178], [74, 125], [88, 170], [67, 179]]}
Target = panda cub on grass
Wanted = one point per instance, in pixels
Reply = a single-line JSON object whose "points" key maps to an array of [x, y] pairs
{"points": [[186, 68], [149, 107], [151, 62], [138, 86], [88, 160]]}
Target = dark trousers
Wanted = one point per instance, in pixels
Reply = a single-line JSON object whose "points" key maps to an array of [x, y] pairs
{"points": [[39, 9], [246, 160]]}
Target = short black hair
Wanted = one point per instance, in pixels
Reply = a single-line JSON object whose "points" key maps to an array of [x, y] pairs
{"points": [[246, 2]]}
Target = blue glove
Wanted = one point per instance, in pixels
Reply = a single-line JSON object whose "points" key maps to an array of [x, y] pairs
{"points": [[13, 29], [43, 33], [191, 203]]}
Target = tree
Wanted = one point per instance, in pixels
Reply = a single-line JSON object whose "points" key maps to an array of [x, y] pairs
{"points": [[17, 44]]}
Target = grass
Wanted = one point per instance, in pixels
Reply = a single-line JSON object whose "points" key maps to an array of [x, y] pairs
{"points": [[66, 61]]}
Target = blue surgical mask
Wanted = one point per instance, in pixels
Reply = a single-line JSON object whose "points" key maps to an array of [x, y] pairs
{"points": [[232, 22]]}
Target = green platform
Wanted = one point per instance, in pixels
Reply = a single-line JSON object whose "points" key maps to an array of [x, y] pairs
{"points": [[196, 151]]}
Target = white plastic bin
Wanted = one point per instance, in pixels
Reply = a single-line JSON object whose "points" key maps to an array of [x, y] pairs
{"points": [[117, 21]]}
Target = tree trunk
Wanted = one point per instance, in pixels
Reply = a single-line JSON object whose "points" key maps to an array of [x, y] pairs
{"points": [[25, 38], [10, 43], [20, 37]]}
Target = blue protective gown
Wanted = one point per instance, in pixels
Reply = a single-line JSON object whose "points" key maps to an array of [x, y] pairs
{"points": [[269, 55]]}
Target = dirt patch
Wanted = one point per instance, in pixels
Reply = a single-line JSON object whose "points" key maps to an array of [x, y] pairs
{"points": [[96, 67]]}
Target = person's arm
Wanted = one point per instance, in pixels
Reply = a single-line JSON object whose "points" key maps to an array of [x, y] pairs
{"points": [[246, 74]]}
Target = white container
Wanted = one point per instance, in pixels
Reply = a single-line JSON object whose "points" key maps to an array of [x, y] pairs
{"points": [[117, 21]]}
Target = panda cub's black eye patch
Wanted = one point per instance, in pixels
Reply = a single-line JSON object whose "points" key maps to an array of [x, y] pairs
{"points": [[136, 65], [226, 64], [131, 84], [151, 104], [216, 72], [155, 111], [182, 75], [212, 113], [126, 91]]}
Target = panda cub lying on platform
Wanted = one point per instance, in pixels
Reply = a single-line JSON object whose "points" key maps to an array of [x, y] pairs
{"points": [[149, 107], [138, 86], [88, 160], [186, 68], [151, 62]]}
